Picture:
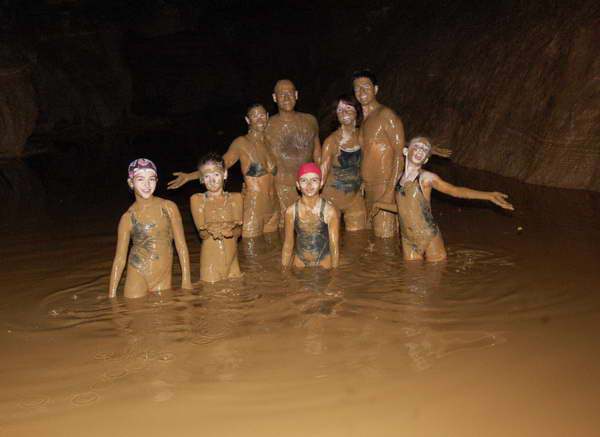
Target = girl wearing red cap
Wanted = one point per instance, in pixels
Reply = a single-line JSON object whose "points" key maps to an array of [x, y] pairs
{"points": [[311, 225]]}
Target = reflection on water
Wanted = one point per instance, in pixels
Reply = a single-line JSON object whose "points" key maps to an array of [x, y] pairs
{"points": [[376, 318]]}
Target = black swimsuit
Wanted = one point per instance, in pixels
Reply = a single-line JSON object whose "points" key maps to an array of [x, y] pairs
{"points": [[345, 171], [312, 237]]}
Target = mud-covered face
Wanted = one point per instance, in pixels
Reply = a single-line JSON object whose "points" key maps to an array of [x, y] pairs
{"points": [[285, 96], [346, 113], [364, 90], [257, 118], [144, 182], [418, 153], [213, 177], [309, 184]]}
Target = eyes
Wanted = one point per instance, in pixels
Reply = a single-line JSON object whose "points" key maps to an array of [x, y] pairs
{"points": [[140, 179], [304, 181]]}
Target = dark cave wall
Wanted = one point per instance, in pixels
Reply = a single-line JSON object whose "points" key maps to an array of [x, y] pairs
{"points": [[516, 92]]}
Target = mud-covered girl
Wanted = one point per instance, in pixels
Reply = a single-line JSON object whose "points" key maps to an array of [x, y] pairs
{"points": [[152, 224]]}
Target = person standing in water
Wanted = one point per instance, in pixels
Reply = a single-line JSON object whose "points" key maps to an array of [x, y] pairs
{"points": [[261, 208], [152, 223], [340, 165], [421, 237], [293, 138], [382, 141], [218, 218], [311, 232]]}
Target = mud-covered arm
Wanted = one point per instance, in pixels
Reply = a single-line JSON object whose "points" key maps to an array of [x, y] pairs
{"points": [[326, 158], [238, 214], [233, 153], [197, 208], [181, 179], [316, 144], [123, 236], [288, 237], [394, 130], [333, 223], [180, 244], [468, 193]]}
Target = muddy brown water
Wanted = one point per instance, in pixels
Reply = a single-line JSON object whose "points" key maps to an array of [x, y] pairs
{"points": [[502, 340]]}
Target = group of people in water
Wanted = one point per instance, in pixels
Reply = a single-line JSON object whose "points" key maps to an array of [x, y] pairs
{"points": [[364, 173]]}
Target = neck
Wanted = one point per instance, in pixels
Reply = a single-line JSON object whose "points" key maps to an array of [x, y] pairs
{"points": [[218, 193], [286, 114], [411, 171], [255, 134], [310, 201], [143, 202], [369, 108], [348, 129]]}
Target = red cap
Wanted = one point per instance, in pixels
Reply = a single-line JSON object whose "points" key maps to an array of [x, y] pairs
{"points": [[308, 167]]}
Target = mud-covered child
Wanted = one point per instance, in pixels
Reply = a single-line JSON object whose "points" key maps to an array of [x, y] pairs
{"points": [[311, 226], [421, 237], [218, 218]]}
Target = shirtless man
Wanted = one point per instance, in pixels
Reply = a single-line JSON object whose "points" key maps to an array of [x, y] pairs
{"points": [[294, 139], [382, 141], [261, 210]]}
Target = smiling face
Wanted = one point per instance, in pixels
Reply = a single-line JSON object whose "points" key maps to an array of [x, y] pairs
{"points": [[346, 114], [309, 184], [364, 90], [143, 182], [285, 95], [213, 176], [257, 118], [418, 153]]}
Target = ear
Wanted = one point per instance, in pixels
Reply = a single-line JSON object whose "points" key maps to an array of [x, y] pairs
{"points": [[275, 97], [247, 120], [225, 175], [376, 89], [425, 162], [298, 185], [130, 183], [296, 95], [405, 151]]}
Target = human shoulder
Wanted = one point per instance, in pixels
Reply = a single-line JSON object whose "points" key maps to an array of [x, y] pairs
{"points": [[239, 142], [309, 119], [168, 205], [290, 211], [330, 210], [236, 197], [388, 113], [427, 178], [197, 199]]}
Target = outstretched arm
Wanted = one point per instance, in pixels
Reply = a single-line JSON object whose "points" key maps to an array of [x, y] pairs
{"points": [[181, 179], [233, 153], [180, 244], [468, 193], [123, 235], [333, 223], [288, 242]]}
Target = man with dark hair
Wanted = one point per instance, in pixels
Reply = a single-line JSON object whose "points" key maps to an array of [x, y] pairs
{"points": [[382, 141]]}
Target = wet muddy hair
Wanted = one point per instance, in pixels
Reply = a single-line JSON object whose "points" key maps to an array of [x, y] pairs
{"points": [[348, 99], [211, 157], [253, 105], [365, 73]]}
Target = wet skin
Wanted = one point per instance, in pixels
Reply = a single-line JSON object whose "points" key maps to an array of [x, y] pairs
{"points": [[421, 238], [340, 166], [153, 223], [382, 140], [261, 208], [320, 218], [218, 219]]}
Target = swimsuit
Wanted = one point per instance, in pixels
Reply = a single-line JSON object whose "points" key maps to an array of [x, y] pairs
{"points": [[312, 237], [345, 171], [417, 226], [151, 241]]}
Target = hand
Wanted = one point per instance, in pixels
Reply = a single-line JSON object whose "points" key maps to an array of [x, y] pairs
{"points": [[500, 200], [180, 180], [442, 152]]}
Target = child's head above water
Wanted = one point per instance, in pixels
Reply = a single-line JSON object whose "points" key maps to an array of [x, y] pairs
{"points": [[142, 177], [308, 179], [418, 150], [211, 169]]}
